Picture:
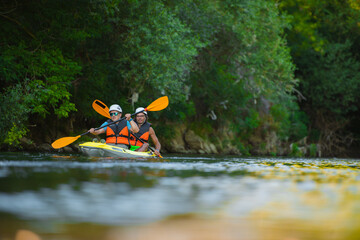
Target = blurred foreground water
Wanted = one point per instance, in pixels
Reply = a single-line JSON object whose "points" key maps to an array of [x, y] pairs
{"points": [[206, 197]]}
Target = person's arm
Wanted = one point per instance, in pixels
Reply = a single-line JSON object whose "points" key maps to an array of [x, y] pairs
{"points": [[134, 127], [99, 131], [155, 141]]}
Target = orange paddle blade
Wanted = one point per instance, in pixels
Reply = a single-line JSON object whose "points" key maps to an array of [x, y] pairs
{"points": [[62, 142], [158, 104], [101, 108]]}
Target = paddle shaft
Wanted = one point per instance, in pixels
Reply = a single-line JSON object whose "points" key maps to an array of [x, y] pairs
{"points": [[151, 148], [112, 123]]}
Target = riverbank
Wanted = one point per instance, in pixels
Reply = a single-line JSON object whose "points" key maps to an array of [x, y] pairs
{"points": [[186, 141]]}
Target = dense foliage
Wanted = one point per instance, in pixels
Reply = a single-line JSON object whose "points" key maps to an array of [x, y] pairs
{"points": [[325, 49], [222, 63]]}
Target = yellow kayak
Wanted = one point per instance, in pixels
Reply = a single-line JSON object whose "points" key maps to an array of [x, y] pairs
{"points": [[96, 149]]}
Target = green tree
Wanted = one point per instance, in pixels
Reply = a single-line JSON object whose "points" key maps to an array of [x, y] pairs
{"points": [[220, 59], [37, 65], [323, 45], [247, 64]]}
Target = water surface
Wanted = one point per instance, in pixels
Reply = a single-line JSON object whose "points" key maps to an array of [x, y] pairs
{"points": [[179, 197]]}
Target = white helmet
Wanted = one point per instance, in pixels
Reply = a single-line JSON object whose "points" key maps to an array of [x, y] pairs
{"points": [[115, 107], [139, 109]]}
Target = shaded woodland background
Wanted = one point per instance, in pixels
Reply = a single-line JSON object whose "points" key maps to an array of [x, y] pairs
{"points": [[258, 75]]}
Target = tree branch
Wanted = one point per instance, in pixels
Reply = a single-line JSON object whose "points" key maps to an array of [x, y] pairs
{"points": [[18, 23]]}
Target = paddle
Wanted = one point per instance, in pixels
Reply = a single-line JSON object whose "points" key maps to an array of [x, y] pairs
{"points": [[157, 105], [151, 148], [102, 109]]}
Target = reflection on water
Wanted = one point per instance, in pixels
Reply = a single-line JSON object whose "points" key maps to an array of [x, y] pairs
{"points": [[179, 197]]}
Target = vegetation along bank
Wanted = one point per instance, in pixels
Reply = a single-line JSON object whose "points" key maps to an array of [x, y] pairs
{"points": [[251, 77]]}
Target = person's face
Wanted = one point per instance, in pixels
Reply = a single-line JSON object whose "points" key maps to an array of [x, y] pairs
{"points": [[140, 118], [115, 115]]}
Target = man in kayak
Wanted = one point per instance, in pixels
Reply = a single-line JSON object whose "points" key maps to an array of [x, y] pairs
{"points": [[145, 131], [117, 133]]}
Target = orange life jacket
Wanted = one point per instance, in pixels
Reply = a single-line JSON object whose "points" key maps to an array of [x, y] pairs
{"points": [[117, 133], [143, 134]]}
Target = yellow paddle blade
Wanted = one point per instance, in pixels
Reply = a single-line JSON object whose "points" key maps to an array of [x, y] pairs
{"points": [[101, 108], [62, 142], [158, 104]]}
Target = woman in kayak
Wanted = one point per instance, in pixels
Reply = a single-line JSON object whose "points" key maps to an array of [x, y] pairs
{"points": [[145, 131], [117, 133]]}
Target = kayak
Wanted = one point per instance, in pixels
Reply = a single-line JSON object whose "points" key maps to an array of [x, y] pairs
{"points": [[98, 149]]}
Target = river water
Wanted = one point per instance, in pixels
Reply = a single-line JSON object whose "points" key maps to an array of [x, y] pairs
{"points": [[67, 197]]}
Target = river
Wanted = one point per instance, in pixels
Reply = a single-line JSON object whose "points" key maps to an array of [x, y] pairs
{"points": [[196, 197]]}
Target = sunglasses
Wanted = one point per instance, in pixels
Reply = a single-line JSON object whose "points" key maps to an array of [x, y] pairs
{"points": [[114, 114]]}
